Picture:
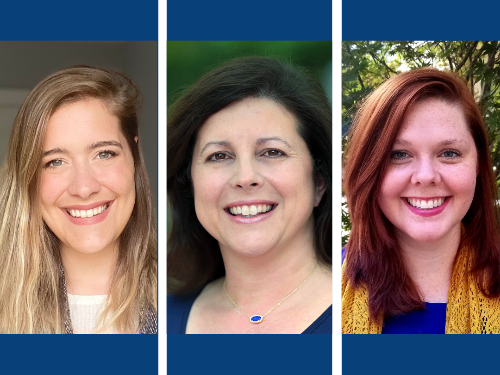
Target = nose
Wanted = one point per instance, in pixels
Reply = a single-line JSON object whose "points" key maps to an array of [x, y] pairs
{"points": [[246, 175], [83, 182], [426, 172]]}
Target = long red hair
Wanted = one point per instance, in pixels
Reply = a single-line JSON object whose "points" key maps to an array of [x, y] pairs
{"points": [[373, 257]]}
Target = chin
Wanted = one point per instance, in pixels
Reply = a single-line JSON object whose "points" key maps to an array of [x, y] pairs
{"points": [[88, 247], [250, 250], [426, 236]]}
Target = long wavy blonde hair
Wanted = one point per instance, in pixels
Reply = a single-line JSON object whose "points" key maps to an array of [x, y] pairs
{"points": [[30, 296]]}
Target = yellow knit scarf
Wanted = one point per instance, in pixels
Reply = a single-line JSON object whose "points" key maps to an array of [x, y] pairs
{"points": [[467, 309]]}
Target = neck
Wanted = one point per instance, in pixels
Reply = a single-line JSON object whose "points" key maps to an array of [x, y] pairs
{"points": [[258, 283], [89, 274], [430, 264]]}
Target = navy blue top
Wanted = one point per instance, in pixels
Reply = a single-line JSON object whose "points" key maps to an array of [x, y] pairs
{"points": [[430, 320], [178, 309]]}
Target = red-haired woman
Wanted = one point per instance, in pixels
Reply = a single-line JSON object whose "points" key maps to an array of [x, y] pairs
{"points": [[424, 250]]}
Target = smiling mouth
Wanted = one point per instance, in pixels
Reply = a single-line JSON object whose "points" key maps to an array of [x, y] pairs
{"points": [[250, 211], [89, 213], [424, 204]]}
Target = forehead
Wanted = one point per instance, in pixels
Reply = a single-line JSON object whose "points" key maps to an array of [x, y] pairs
{"points": [[80, 122], [249, 118], [434, 117]]}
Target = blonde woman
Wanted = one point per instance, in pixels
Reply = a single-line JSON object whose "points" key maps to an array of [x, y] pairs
{"points": [[77, 239]]}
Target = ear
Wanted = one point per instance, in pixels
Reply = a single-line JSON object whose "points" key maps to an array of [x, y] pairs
{"points": [[136, 139], [320, 189]]}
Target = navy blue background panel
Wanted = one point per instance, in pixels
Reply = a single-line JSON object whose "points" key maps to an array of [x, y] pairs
{"points": [[65, 20], [427, 20], [249, 354], [419, 354], [256, 20], [79, 20], [249, 20], [79, 354]]}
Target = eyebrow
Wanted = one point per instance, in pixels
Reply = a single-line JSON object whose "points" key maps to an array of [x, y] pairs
{"points": [[446, 142], [95, 145], [55, 151], [92, 146], [264, 140], [258, 142], [216, 143]]}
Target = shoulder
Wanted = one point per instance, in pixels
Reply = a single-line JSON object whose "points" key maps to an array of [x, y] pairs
{"points": [[182, 308], [322, 325], [178, 308]]}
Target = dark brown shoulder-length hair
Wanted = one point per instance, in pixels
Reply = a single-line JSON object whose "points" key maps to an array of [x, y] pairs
{"points": [[373, 256], [193, 255]]}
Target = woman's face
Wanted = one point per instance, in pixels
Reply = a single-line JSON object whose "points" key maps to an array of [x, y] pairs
{"points": [[87, 189], [430, 180], [253, 178]]}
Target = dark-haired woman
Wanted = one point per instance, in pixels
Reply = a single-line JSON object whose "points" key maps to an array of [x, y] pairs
{"points": [[249, 185], [424, 251]]}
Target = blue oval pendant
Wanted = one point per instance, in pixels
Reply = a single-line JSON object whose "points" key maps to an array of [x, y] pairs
{"points": [[256, 319]]}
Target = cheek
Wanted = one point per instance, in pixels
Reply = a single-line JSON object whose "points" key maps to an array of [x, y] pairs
{"points": [[393, 184], [207, 189], [51, 187], [121, 184], [464, 182], [295, 183], [118, 178]]}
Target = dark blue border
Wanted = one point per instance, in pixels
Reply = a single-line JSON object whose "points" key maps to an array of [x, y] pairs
{"points": [[96, 20], [263, 20], [249, 354], [426, 20], [420, 354], [249, 20], [79, 354], [79, 20]]}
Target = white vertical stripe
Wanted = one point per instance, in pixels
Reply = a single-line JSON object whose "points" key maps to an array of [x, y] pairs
{"points": [[162, 187], [336, 183]]}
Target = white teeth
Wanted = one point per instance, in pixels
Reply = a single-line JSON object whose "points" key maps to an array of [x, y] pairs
{"points": [[426, 205], [88, 213], [252, 210]]}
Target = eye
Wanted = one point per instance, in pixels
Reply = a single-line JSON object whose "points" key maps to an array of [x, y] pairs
{"points": [[106, 154], [218, 156], [399, 155], [450, 154], [273, 153], [54, 163]]}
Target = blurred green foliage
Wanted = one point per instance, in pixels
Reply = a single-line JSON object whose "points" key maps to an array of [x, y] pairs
{"points": [[188, 61], [366, 64]]}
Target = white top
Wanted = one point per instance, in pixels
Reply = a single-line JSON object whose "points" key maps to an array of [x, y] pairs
{"points": [[84, 312]]}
